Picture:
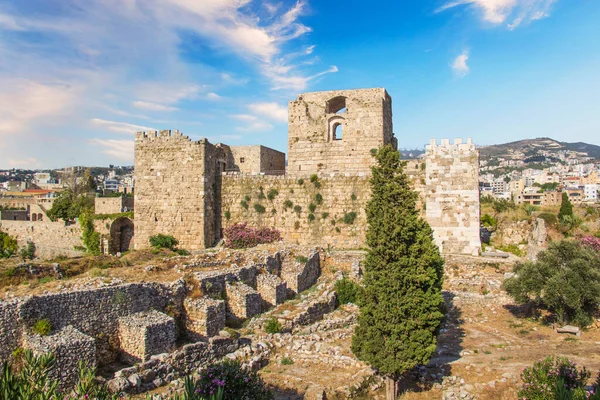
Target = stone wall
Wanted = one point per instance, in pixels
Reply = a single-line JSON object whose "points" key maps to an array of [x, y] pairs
{"points": [[51, 239], [341, 195], [113, 205], [94, 312], [242, 301], [256, 159], [314, 143], [300, 276], [452, 203], [177, 188], [204, 317], [272, 289], [145, 334]]}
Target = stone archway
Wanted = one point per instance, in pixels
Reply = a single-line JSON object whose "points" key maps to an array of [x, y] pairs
{"points": [[121, 235]]}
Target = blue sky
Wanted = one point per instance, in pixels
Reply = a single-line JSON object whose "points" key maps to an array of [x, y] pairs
{"points": [[79, 77]]}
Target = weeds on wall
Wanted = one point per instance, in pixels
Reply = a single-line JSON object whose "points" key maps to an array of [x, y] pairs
{"points": [[227, 215], [325, 215], [287, 204], [349, 218], [244, 204], [312, 207], [42, 327], [259, 208], [89, 236], [297, 209], [311, 217], [273, 326], [271, 194], [300, 181], [319, 198], [353, 197], [314, 179]]}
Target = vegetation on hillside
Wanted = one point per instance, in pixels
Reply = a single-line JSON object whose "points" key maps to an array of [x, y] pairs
{"points": [[401, 309]]}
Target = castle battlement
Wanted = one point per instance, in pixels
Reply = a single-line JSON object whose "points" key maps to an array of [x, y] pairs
{"points": [[163, 134], [457, 146]]}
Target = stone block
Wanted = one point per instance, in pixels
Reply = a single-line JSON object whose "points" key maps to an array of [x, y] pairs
{"points": [[242, 301], [205, 317], [69, 346], [145, 334], [272, 289], [301, 276]]}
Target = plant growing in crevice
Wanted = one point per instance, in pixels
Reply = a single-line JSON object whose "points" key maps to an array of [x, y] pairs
{"points": [[318, 199], [311, 217], [271, 194], [287, 204], [312, 207], [259, 208], [297, 209], [325, 215], [300, 181], [244, 204], [42, 327], [353, 197], [227, 215], [349, 218]]}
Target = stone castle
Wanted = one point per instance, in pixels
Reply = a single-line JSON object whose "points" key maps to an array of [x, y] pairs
{"points": [[194, 189]]}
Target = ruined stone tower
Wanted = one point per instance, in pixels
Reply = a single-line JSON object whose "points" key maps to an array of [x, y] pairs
{"points": [[334, 131], [452, 195], [177, 189]]}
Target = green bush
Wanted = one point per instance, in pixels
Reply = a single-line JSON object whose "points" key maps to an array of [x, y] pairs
{"points": [[247, 199], [227, 215], [565, 279], [300, 181], [311, 217], [551, 378], [353, 197], [89, 236], [287, 361], [301, 259], [273, 326], [42, 327], [549, 218], [259, 208], [272, 194], [349, 217], [348, 291], [511, 248], [8, 245], [312, 207], [288, 204], [28, 253], [488, 221], [566, 208], [314, 178], [529, 209], [161, 241], [297, 209], [234, 380], [244, 204], [319, 198], [325, 215]]}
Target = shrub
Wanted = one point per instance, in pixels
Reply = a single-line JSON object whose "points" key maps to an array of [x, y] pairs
{"points": [[42, 327], [244, 204], [325, 215], [259, 208], [511, 248], [241, 236], [300, 181], [565, 279], [28, 253], [549, 218], [311, 217], [349, 217], [273, 326], [261, 194], [235, 381], [287, 361], [161, 241], [227, 215], [319, 198], [592, 242], [353, 197], [272, 194], [247, 198], [89, 236], [288, 204], [312, 207], [314, 178], [488, 221], [529, 209], [542, 380], [566, 208], [348, 291], [297, 209], [301, 259]]}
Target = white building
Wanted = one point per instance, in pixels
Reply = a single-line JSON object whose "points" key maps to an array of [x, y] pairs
{"points": [[591, 192]]}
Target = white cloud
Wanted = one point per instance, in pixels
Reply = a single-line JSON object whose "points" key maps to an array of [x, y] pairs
{"points": [[119, 149], [146, 105], [499, 11], [459, 66], [120, 127], [244, 117], [255, 126], [213, 96], [28, 162], [272, 111]]}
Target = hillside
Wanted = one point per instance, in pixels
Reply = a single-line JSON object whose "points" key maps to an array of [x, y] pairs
{"points": [[540, 150]]}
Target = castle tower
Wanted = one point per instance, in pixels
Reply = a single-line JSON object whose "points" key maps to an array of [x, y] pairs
{"points": [[452, 195], [177, 189], [335, 131]]}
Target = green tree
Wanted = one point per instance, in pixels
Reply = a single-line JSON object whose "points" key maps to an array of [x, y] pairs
{"points": [[70, 205], [565, 279], [401, 308], [566, 208], [8, 245]]}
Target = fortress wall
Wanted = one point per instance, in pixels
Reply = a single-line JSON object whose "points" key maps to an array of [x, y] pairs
{"points": [[452, 204], [10, 329], [295, 227]]}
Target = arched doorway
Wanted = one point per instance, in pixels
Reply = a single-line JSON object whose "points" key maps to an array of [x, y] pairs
{"points": [[121, 233]]}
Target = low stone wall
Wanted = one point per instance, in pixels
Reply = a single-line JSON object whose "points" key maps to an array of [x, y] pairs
{"points": [[145, 334], [94, 312], [242, 301], [10, 329], [204, 317], [272, 289], [164, 368], [301, 276], [51, 239], [212, 283], [69, 346]]}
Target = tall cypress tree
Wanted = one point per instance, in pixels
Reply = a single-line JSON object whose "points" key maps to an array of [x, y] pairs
{"points": [[566, 208], [402, 306]]}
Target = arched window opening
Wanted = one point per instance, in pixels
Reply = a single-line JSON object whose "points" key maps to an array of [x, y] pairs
{"points": [[337, 105], [40, 217], [34, 217], [337, 132]]}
